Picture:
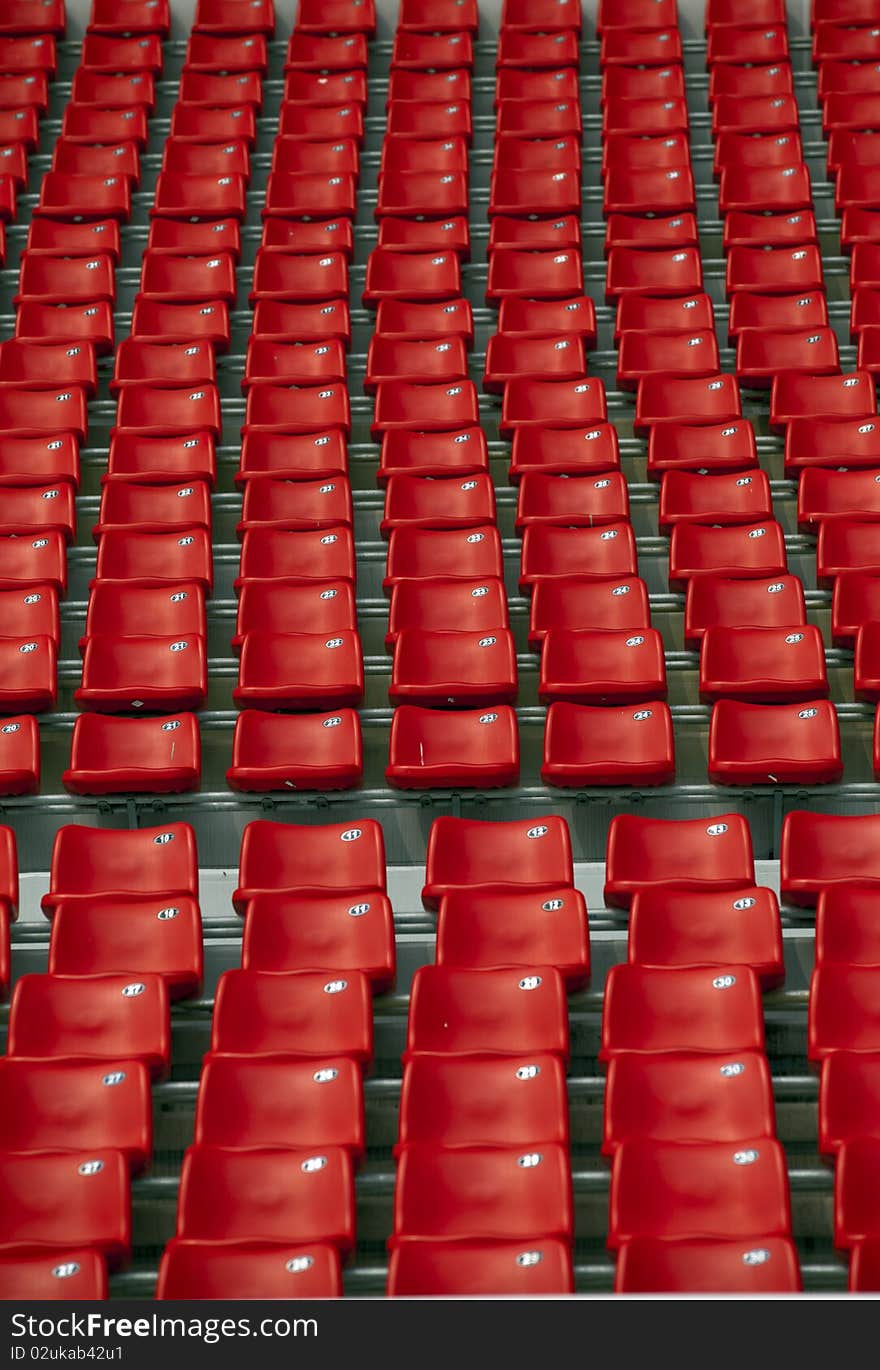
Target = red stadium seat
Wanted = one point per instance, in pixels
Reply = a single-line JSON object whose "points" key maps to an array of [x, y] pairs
{"points": [[133, 935], [575, 501], [524, 274], [672, 926], [656, 117], [763, 665], [92, 323], [28, 672], [160, 322], [245, 1103], [405, 452], [216, 90], [686, 401], [866, 667], [298, 505], [192, 196], [121, 52], [630, 82], [89, 125], [496, 1193], [678, 1097], [19, 54], [136, 459], [54, 236], [19, 758], [638, 47], [32, 16], [713, 601], [267, 1198], [822, 850], [439, 195], [689, 497], [675, 355], [63, 196], [328, 88], [518, 193], [198, 123], [796, 396], [309, 751], [45, 366], [846, 545], [530, 318], [456, 554], [757, 744], [297, 409], [27, 563], [446, 16], [49, 1106], [637, 313], [80, 159], [161, 673], [843, 1013], [226, 16], [602, 666], [697, 549], [446, 606], [465, 1011], [219, 53], [825, 494], [122, 756], [115, 604], [619, 605], [539, 403], [718, 1190], [646, 1265], [90, 862], [518, 48], [43, 413], [775, 271], [778, 189], [714, 448], [663, 192], [849, 1099], [619, 746], [846, 925], [433, 748], [188, 280], [83, 1275], [761, 356], [674, 272], [273, 859], [420, 362], [534, 235], [526, 118], [313, 456], [176, 365], [321, 607], [856, 600], [133, 507], [564, 451], [695, 853], [56, 1202], [299, 278], [296, 932], [460, 1101], [217, 1270], [695, 1009], [92, 1018], [453, 668], [300, 671], [855, 1204], [554, 553], [278, 320], [156, 412], [34, 510], [32, 613], [755, 114], [753, 313], [509, 359], [488, 930], [470, 1268], [301, 1016], [864, 1277], [515, 856], [273, 553], [410, 321]]}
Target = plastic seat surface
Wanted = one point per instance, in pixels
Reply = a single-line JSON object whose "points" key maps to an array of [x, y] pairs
{"points": [[564, 451], [300, 671], [695, 853], [132, 934], [472, 1268], [602, 666], [748, 551], [317, 860], [456, 1101], [83, 1275], [297, 557], [430, 748], [123, 756], [212, 1270], [56, 1202], [849, 1099], [87, 862], [774, 744], [105, 1018], [298, 932], [623, 745], [714, 448], [126, 673], [308, 751], [300, 504], [821, 850], [488, 929], [647, 1265], [515, 856], [763, 665], [272, 1014]]}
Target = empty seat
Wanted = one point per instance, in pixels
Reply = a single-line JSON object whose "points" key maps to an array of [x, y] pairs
{"points": [[176, 365], [433, 748], [299, 278], [662, 192], [89, 124], [755, 114], [325, 607], [423, 362], [518, 192], [846, 925], [141, 508], [453, 668], [216, 52], [30, 562], [779, 744], [849, 1099], [159, 321], [774, 271], [64, 196], [90, 862], [192, 196], [413, 321], [297, 409], [821, 850], [300, 670], [779, 189], [647, 1265], [488, 930], [212, 1270], [634, 46], [91, 323], [761, 356], [686, 401], [462, 1011], [574, 501], [643, 83], [713, 447], [34, 510], [620, 605], [57, 1202], [437, 605], [405, 452], [824, 494], [602, 665], [671, 354], [19, 756], [81, 159], [278, 320], [508, 359], [122, 756], [299, 505], [118, 52], [454, 1101], [691, 497], [28, 672], [125, 673], [844, 545], [585, 745], [226, 16], [62, 1106], [637, 313], [297, 557], [199, 123], [114, 605], [414, 276], [303, 1016], [564, 451], [45, 366], [797, 396], [132, 935], [157, 559], [188, 279], [644, 116], [426, 553], [514, 856], [92, 1018], [855, 1204], [492, 1193], [267, 1197], [523, 274], [856, 600], [866, 668], [44, 413], [531, 318], [297, 932], [286, 856], [678, 1097], [696, 853], [442, 407], [673, 926], [843, 1010], [674, 272], [27, 17], [39, 461], [246, 1103], [78, 1274], [746, 551], [310, 751], [296, 456], [155, 412], [534, 235], [763, 665], [553, 553], [329, 88], [445, 1267], [751, 311], [696, 1008]]}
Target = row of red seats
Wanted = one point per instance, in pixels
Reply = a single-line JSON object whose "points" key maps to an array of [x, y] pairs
{"points": [[483, 1201], [281, 1097]]}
